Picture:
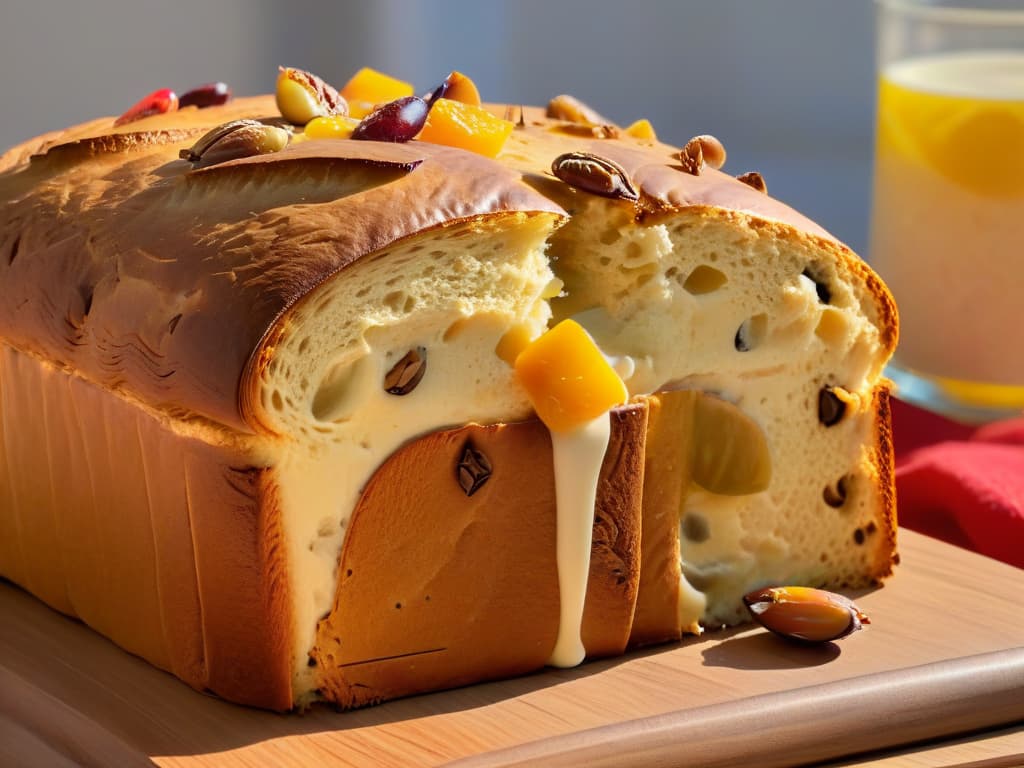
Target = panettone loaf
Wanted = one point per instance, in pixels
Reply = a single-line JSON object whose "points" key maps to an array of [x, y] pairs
{"points": [[261, 427]]}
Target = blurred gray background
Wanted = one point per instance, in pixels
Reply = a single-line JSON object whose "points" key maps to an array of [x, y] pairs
{"points": [[787, 85]]}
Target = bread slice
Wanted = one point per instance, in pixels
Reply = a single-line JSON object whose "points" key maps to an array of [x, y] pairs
{"points": [[709, 284], [258, 432]]}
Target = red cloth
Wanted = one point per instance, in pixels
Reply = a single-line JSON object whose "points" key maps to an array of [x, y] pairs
{"points": [[961, 484]]}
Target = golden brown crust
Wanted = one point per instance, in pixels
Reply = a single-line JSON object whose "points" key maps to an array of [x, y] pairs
{"points": [[615, 566], [666, 479], [166, 544], [887, 552], [653, 167], [438, 589]]}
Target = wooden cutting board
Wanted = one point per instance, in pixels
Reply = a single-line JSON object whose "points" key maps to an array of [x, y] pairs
{"points": [[68, 696]]}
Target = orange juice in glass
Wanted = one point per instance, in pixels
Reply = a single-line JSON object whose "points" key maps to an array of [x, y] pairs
{"points": [[948, 214]]}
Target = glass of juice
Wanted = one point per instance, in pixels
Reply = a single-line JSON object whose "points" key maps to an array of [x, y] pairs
{"points": [[947, 227]]}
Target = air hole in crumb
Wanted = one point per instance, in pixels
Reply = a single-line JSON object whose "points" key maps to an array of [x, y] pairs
{"points": [[398, 605], [277, 401], [604, 261], [611, 236], [751, 333], [348, 572], [704, 279], [338, 393], [858, 536], [820, 286], [395, 300]]}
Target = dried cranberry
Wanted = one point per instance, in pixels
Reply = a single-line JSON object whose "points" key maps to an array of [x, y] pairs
{"points": [[208, 95], [399, 120], [157, 103]]}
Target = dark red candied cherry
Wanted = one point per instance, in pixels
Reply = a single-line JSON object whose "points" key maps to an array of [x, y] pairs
{"points": [[157, 103], [208, 95], [397, 121]]}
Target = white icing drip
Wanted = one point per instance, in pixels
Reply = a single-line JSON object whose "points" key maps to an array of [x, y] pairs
{"points": [[578, 456]]}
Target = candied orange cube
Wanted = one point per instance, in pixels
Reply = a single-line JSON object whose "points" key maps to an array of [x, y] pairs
{"points": [[368, 86], [332, 127], [567, 378], [456, 124], [642, 129], [360, 109]]}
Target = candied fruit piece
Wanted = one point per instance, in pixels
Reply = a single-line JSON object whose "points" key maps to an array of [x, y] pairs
{"points": [[642, 129], [567, 378], [368, 88], [729, 452], [456, 124], [157, 103], [333, 127], [360, 108], [457, 87], [301, 96], [397, 121]]}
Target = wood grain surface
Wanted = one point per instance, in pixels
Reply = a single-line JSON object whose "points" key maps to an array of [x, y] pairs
{"points": [[69, 697]]}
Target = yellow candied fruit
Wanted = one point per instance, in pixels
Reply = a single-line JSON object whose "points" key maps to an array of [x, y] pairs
{"points": [[642, 129], [456, 124], [371, 87], [567, 378], [333, 127], [360, 109]]}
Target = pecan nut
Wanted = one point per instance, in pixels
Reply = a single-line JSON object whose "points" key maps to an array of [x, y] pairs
{"points": [[595, 174], [238, 138]]}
